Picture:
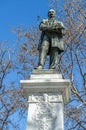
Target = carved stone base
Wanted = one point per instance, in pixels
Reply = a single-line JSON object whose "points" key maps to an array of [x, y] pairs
{"points": [[45, 112], [46, 92]]}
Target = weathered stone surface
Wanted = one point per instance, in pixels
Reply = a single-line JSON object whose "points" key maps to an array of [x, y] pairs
{"points": [[47, 92], [47, 81], [45, 112]]}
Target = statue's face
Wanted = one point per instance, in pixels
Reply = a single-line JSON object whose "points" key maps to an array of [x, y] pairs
{"points": [[51, 14]]}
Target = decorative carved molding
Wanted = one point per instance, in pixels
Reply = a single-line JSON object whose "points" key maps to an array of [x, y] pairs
{"points": [[46, 98], [45, 115]]}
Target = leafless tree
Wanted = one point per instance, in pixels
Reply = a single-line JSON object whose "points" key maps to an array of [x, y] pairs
{"points": [[73, 60], [11, 96], [72, 65]]}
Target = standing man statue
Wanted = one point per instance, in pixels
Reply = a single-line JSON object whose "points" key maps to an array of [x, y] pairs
{"points": [[51, 41]]}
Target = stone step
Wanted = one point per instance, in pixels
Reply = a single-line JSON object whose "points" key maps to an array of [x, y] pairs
{"points": [[46, 76], [46, 82], [45, 71]]}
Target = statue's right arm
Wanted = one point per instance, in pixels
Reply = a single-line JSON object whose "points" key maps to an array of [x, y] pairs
{"points": [[43, 25]]}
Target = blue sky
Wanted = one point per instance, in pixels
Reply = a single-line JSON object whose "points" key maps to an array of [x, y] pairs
{"points": [[20, 12]]}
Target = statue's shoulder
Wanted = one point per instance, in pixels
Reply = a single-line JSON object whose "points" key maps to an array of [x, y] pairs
{"points": [[45, 21], [56, 21]]}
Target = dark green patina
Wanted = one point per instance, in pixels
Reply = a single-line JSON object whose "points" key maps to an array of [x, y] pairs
{"points": [[51, 41]]}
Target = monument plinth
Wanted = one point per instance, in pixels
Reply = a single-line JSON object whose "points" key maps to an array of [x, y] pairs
{"points": [[47, 92]]}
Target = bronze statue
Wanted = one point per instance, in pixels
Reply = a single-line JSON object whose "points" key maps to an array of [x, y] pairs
{"points": [[51, 41]]}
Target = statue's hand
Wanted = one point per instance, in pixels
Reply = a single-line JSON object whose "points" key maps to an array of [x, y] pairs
{"points": [[63, 32], [53, 29], [46, 28], [43, 27]]}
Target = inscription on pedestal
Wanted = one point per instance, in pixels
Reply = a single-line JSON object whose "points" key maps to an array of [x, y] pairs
{"points": [[46, 106], [46, 91]]}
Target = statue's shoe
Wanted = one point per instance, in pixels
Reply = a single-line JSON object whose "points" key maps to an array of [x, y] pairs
{"points": [[39, 67]]}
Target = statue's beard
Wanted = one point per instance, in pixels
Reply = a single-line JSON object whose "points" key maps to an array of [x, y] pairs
{"points": [[51, 16]]}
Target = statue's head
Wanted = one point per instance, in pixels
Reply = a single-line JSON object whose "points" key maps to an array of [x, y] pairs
{"points": [[51, 13]]}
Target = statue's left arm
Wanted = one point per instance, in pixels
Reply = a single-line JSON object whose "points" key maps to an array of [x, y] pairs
{"points": [[63, 29], [59, 28]]}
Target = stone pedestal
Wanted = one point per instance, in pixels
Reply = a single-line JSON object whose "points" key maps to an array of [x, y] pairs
{"points": [[47, 92]]}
